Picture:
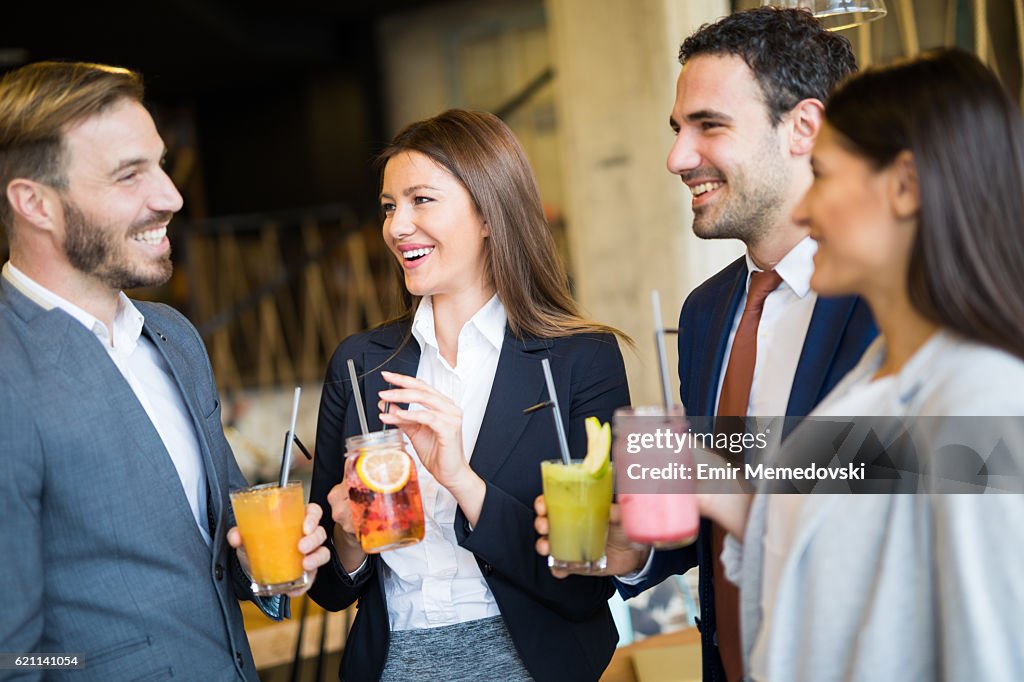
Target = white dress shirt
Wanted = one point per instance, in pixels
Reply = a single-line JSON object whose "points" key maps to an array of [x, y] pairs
{"points": [[781, 332], [149, 377], [436, 582], [780, 341]]}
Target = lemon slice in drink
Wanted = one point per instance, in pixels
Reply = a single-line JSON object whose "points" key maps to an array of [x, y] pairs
{"points": [[599, 447], [384, 472]]}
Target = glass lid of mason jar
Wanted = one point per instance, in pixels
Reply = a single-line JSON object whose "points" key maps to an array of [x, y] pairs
{"points": [[374, 438]]}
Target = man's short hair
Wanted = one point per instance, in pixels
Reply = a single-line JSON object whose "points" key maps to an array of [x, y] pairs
{"points": [[38, 102], [792, 56]]}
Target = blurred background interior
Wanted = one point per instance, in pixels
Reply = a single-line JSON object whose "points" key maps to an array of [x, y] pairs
{"points": [[273, 111]]}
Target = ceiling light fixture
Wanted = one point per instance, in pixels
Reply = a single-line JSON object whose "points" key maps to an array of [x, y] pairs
{"points": [[835, 15]]}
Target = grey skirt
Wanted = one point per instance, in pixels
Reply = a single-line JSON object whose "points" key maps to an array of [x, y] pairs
{"points": [[463, 651]]}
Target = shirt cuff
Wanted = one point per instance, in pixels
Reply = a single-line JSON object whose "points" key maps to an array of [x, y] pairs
{"points": [[732, 559], [336, 562], [354, 574], [637, 577]]}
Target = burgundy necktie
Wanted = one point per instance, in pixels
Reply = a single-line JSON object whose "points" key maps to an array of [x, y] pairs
{"points": [[733, 402]]}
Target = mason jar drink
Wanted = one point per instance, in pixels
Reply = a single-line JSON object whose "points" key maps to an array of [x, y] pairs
{"points": [[383, 491]]}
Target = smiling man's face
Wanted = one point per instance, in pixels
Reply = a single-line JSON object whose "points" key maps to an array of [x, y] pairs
{"points": [[727, 151], [118, 200]]}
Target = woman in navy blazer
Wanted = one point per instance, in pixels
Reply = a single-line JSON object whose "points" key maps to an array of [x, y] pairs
{"points": [[463, 218]]}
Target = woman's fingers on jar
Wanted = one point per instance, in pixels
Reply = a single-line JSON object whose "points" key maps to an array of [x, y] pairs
{"points": [[337, 498], [345, 522]]}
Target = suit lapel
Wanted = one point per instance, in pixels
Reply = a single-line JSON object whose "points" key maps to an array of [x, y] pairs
{"points": [[709, 366], [382, 356], [824, 333], [94, 378], [518, 384], [181, 371], [90, 378]]}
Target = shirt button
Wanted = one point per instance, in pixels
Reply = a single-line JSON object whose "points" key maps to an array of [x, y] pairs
{"points": [[238, 657], [218, 572]]}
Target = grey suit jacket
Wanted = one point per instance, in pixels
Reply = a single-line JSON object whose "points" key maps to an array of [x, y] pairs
{"points": [[101, 555]]}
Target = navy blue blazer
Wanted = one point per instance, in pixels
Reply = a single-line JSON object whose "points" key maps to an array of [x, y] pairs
{"points": [[839, 331], [562, 629]]}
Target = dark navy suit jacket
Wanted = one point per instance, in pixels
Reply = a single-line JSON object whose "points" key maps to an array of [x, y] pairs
{"points": [[562, 629], [839, 331]]}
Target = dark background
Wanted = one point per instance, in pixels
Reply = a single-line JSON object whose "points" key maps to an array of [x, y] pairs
{"points": [[264, 105]]}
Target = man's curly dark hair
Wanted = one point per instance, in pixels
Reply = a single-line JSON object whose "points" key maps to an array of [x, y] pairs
{"points": [[792, 56]]}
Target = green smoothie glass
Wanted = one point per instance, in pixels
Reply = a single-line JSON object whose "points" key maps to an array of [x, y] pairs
{"points": [[578, 502]]}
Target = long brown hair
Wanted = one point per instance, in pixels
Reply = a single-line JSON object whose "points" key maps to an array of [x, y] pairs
{"points": [[966, 136], [482, 153]]}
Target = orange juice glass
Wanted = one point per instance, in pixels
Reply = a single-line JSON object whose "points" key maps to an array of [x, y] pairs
{"points": [[270, 519]]}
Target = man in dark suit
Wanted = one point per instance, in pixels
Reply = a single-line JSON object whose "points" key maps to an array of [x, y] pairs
{"points": [[749, 105], [117, 530]]}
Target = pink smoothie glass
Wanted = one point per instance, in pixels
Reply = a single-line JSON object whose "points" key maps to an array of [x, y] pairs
{"points": [[654, 471]]}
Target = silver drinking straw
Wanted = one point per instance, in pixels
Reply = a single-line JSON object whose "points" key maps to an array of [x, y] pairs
{"points": [[358, 396], [659, 342], [563, 443], [286, 456]]}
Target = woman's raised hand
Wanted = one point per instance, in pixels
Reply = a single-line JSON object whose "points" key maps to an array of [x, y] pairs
{"points": [[435, 431]]}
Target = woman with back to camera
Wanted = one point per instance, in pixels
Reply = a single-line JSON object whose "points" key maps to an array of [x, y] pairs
{"points": [[487, 300], [916, 205]]}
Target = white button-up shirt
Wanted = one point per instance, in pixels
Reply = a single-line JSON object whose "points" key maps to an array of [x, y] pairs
{"points": [[785, 320], [149, 377], [781, 332], [437, 582]]}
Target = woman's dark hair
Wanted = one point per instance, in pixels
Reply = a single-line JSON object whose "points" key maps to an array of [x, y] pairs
{"points": [[482, 153], [966, 136]]}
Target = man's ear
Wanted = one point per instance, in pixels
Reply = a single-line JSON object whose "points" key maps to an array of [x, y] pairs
{"points": [[904, 189], [35, 203], [805, 121]]}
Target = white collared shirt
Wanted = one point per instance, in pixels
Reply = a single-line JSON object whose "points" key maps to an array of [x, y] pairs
{"points": [[785, 320], [148, 375], [781, 332], [437, 582], [780, 341]]}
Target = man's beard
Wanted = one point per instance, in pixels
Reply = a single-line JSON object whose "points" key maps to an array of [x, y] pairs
{"points": [[97, 251], [753, 205]]}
